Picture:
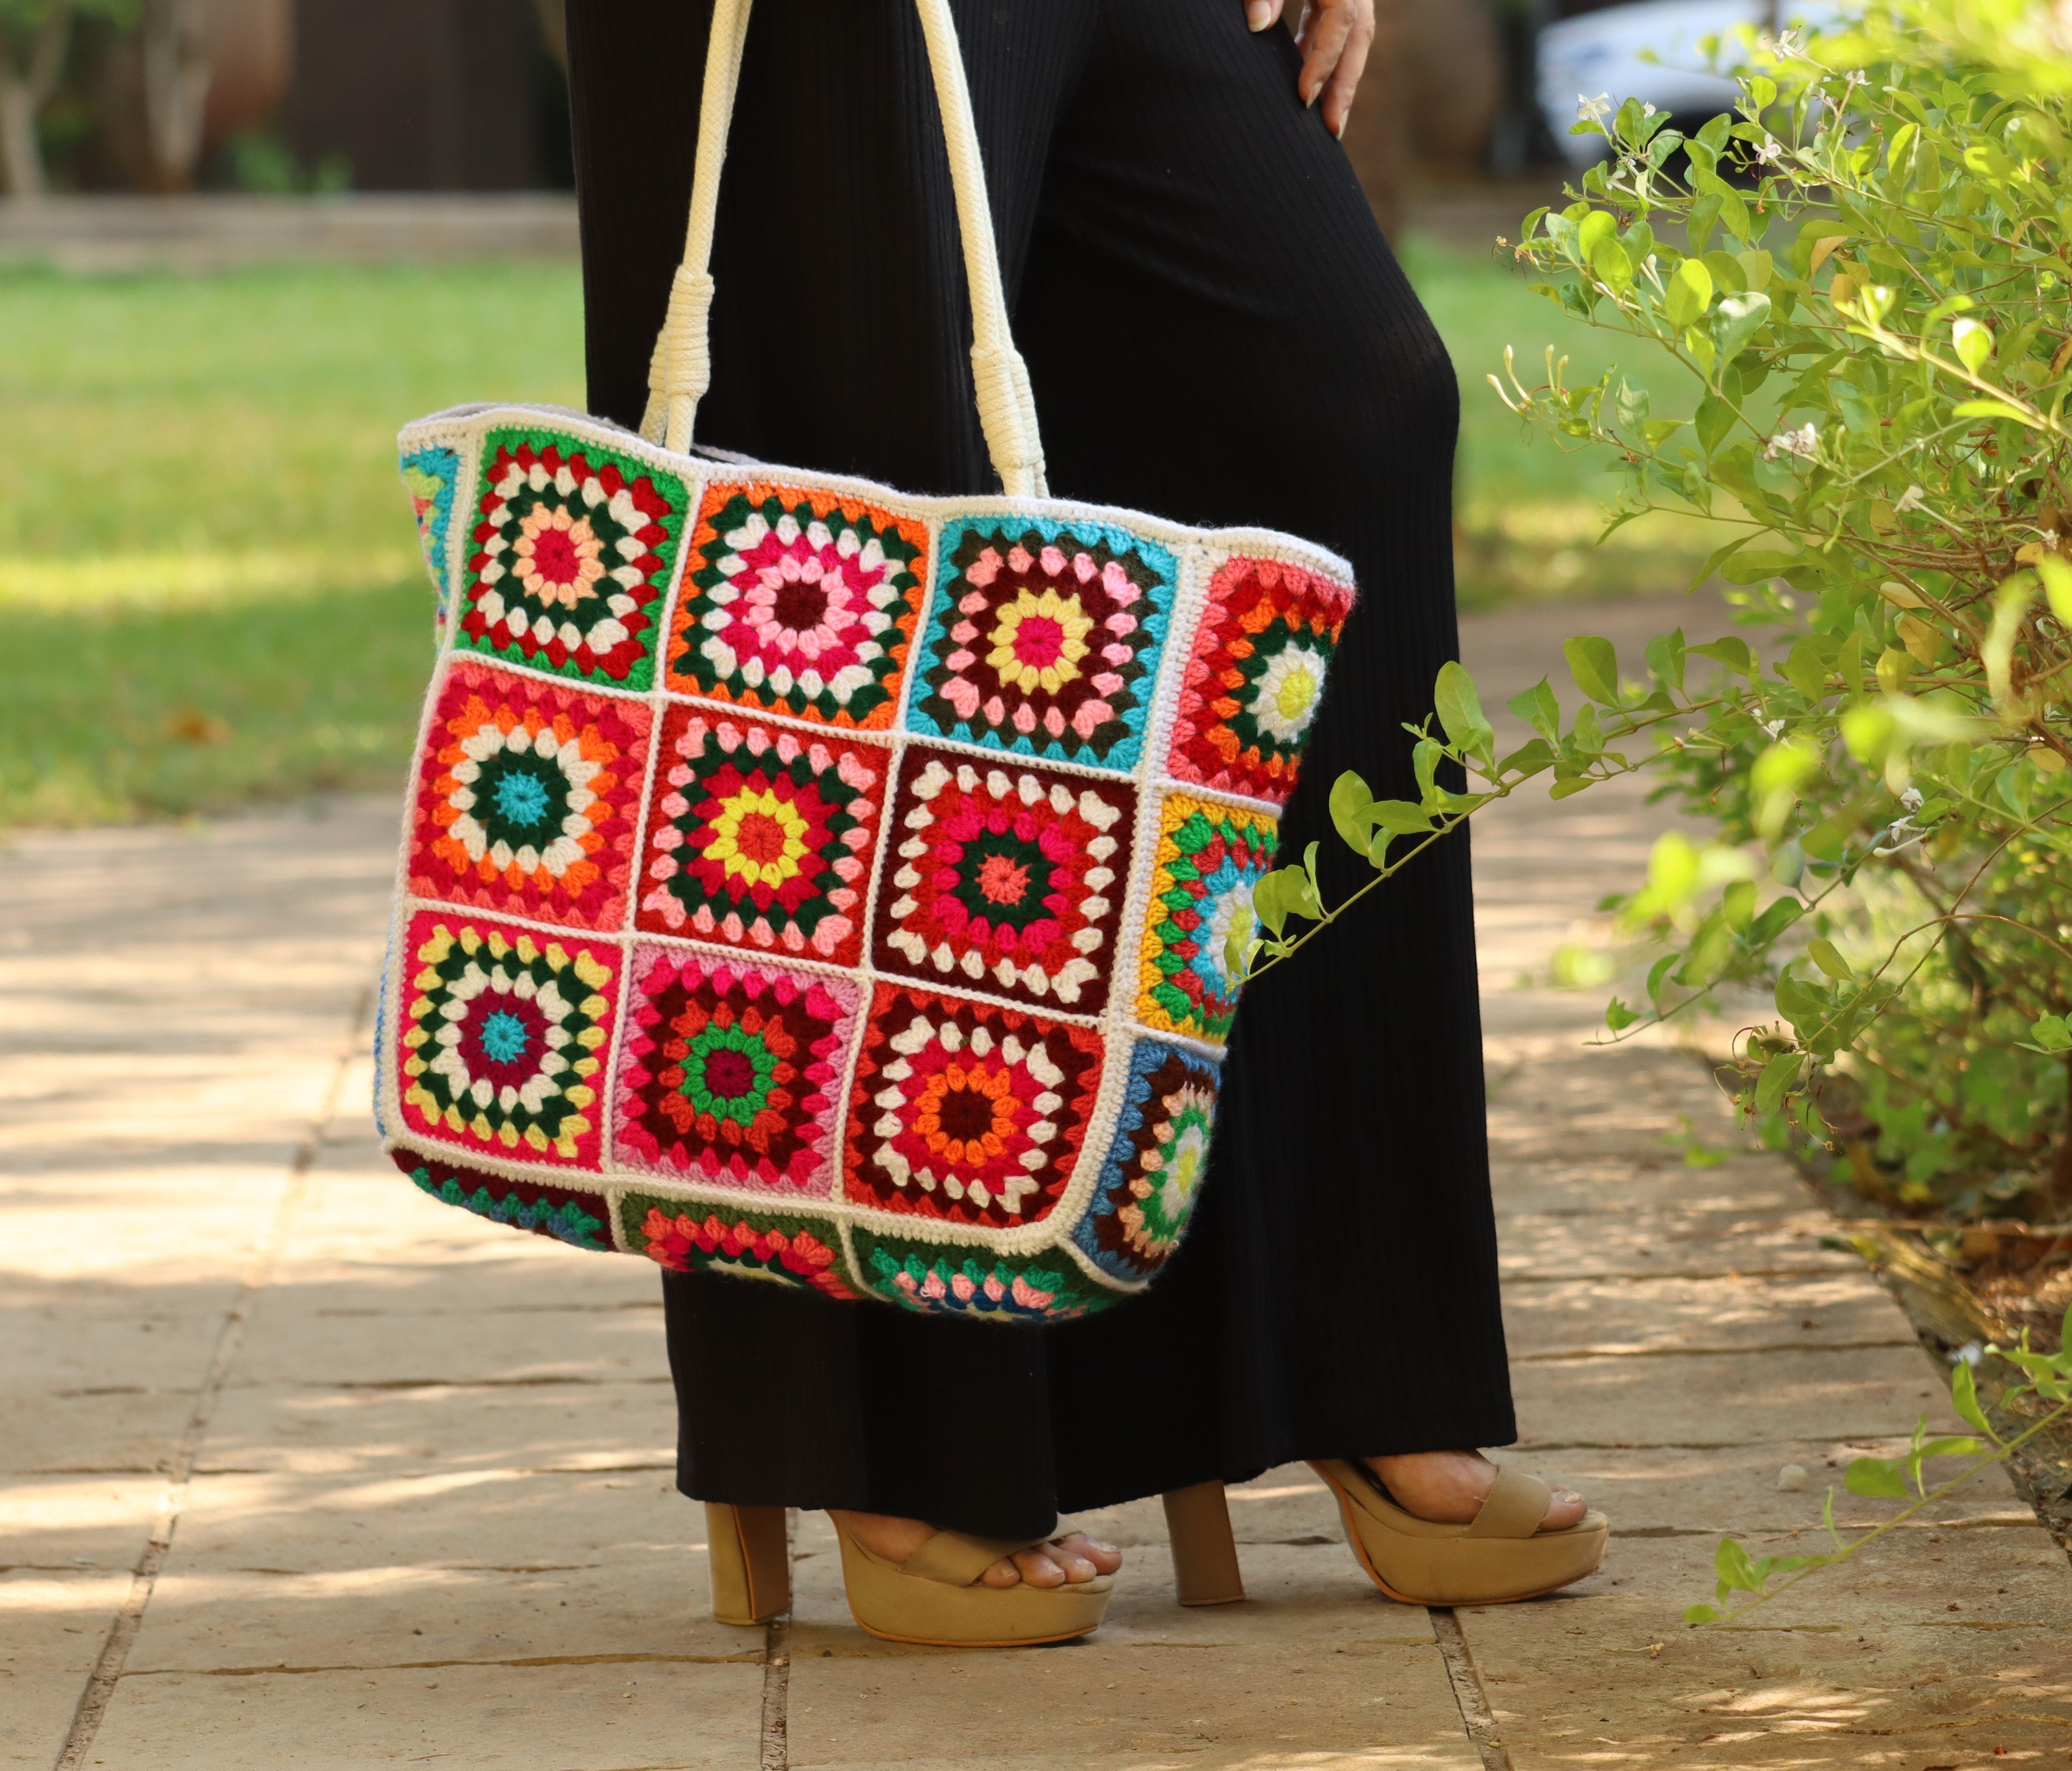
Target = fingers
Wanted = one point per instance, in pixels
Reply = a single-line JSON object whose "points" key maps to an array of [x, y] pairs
{"points": [[1346, 77], [1335, 38], [1259, 14]]}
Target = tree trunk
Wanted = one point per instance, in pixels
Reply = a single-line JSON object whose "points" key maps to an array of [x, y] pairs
{"points": [[22, 96], [176, 76]]}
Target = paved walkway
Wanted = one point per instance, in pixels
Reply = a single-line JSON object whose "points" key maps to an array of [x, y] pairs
{"points": [[298, 1468]]}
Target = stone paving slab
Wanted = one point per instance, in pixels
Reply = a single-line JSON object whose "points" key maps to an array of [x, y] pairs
{"points": [[1713, 1399], [618, 1715], [446, 1561], [51, 1626], [1869, 1669], [1559, 1318], [432, 1424]]}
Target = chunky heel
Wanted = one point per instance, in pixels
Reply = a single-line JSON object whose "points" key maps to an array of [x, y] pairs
{"points": [[750, 1554], [1205, 1566]]}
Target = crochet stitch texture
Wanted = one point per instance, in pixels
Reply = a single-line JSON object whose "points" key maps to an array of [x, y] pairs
{"points": [[815, 883]]}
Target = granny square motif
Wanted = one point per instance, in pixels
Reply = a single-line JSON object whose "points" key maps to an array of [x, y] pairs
{"points": [[1254, 679], [798, 604], [501, 1037], [762, 836], [828, 886], [732, 1071], [1144, 1193], [1209, 857], [572, 549], [1005, 877], [1042, 638], [528, 793]]}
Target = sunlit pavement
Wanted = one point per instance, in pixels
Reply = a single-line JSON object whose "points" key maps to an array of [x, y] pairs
{"points": [[299, 1468]]}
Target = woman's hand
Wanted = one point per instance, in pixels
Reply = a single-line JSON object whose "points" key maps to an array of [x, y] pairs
{"points": [[1335, 37]]}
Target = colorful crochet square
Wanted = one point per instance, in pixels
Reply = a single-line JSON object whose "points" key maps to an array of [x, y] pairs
{"points": [[431, 475], [732, 1071], [798, 602], [936, 1281], [754, 1245], [967, 1112], [1255, 677], [572, 549], [582, 1220], [1149, 1179], [502, 1038], [1045, 639], [1208, 860], [1006, 878], [763, 837], [528, 792]]}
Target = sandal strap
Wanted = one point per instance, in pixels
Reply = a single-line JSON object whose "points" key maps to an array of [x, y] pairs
{"points": [[1515, 1506], [957, 1559]]}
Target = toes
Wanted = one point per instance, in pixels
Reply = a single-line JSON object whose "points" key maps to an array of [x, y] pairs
{"points": [[1037, 1569], [1083, 1558], [1565, 1509], [1003, 1573]]}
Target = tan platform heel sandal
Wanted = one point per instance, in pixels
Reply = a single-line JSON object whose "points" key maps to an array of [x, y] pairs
{"points": [[1500, 1556], [936, 1598], [750, 1552]]}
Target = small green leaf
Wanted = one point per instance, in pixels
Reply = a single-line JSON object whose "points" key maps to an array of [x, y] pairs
{"points": [[1964, 1399], [1990, 408], [2052, 1034], [1738, 903], [1688, 295], [1401, 816], [1665, 659], [1778, 1075], [1349, 801], [1593, 663], [1825, 954], [1613, 267], [1736, 1572], [1617, 1016], [1883, 1477], [1973, 341], [1732, 652], [1460, 709], [1714, 419], [1739, 319], [1704, 1614], [1540, 709]]}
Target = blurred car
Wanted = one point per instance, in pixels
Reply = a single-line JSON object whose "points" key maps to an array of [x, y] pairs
{"points": [[1600, 54]]}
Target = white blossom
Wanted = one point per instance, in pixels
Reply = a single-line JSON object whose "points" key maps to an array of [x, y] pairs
{"points": [[1593, 110], [1805, 441], [1911, 499]]}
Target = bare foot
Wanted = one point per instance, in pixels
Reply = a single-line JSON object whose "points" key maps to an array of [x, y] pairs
{"points": [[1063, 1561], [1448, 1488]]}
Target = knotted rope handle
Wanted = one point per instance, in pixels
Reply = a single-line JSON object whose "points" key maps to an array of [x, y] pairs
{"points": [[680, 370]]}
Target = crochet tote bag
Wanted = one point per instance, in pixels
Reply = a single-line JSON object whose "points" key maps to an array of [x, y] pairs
{"points": [[810, 881]]}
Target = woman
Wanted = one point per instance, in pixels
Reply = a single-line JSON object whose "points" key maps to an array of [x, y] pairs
{"points": [[1215, 331]]}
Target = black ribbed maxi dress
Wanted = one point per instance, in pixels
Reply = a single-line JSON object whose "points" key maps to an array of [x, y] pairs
{"points": [[1216, 333]]}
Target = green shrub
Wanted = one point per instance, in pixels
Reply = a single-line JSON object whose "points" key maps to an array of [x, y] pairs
{"points": [[1861, 277]]}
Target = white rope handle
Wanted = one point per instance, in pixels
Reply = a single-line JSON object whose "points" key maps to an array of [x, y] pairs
{"points": [[680, 370]]}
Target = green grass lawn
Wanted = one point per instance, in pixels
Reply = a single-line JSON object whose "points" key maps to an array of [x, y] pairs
{"points": [[207, 569]]}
